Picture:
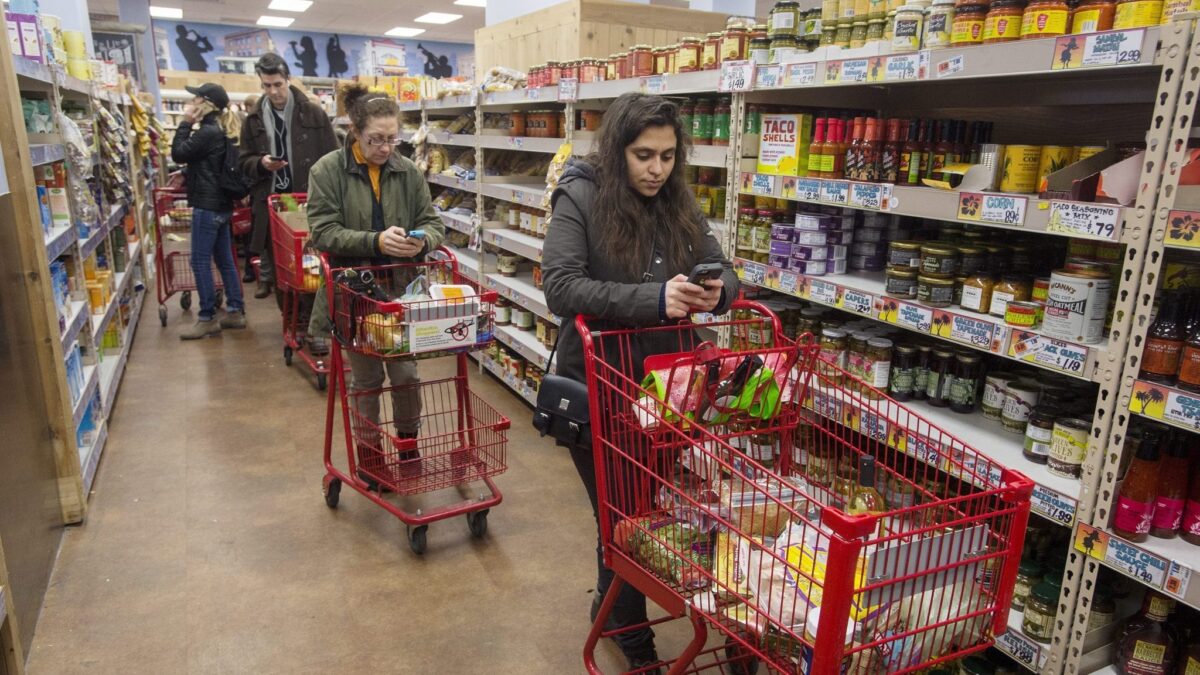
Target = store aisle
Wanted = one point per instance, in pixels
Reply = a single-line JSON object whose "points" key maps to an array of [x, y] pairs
{"points": [[209, 549]]}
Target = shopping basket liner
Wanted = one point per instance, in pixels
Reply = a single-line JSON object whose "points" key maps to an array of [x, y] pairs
{"points": [[746, 518]]}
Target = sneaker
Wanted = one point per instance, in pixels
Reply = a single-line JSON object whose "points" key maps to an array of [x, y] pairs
{"points": [[408, 457], [201, 329], [233, 320], [370, 464], [264, 289], [318, 346], [248, 276]]}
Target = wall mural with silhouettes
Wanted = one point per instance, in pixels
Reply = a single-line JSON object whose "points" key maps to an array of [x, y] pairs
{"points": [[211, 48]]}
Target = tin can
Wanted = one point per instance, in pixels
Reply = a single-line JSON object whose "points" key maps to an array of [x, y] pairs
{"points": [[995, 387], [1084, 151], [1068, 447], [1021, 314], [1052, 158], [1076, 305], [1019, 172], [1019, 399]]}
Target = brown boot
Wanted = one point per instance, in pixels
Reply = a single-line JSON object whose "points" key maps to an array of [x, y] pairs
{"points": [[264, 289]]}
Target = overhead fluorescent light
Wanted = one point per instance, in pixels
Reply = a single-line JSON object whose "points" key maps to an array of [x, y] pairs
{"points": [[401, 31], [290, 5], [166, 12], [471, 3], [437, 17], [275, 21]]}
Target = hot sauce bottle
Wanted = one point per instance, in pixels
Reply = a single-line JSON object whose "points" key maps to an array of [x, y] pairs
{"points": [[853, 154], [816, 149], [1190, 529], [889, 156], [942, 150], [831, 162], [928, 142], [871, 152], [1172, 489], [1135, 501], [910, 154], [1164, 342]]}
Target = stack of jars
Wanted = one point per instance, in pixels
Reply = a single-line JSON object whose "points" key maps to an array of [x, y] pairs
{"points": [[851, 24], [708, 119]]}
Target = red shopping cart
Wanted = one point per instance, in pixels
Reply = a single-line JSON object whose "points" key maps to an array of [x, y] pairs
{"points": [[733, 491], [461, 439], [173, 248], [298, 275]]}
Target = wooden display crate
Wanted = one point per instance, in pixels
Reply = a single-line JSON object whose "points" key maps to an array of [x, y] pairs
{"points": [[587, 28]]}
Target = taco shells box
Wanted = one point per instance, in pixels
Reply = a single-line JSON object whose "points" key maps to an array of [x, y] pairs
{"points": [[783, 147]]}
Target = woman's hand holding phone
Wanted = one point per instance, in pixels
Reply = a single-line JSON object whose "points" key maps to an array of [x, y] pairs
{"points": [[683, 298], [395, 242]]}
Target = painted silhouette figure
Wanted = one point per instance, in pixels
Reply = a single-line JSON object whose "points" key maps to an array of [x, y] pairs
{"points": [[336, 56], [1065, 56], [1090, 541], [436, 66], [193, 46], [307, 55]]}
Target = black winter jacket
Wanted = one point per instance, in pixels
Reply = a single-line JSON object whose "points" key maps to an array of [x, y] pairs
{"points": [[203, 150], [581, 279]]}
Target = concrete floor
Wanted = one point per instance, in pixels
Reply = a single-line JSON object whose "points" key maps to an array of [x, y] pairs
{"points": [[208, 547]]}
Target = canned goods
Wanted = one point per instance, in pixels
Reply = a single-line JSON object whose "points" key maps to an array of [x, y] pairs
{"points": [[1076, 305], [1020, 168], [1022, 314], [1068, 447], [1053, 158], [1019, 398], [995, 388]]}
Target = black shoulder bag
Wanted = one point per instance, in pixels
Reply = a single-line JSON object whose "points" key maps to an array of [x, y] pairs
{"points": [[562, 408]]}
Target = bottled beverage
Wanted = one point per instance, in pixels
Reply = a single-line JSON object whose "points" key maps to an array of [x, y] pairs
{"points": [[865, 499], [1164, 342], [1146, 645], [1135, 501], [889, 156], [1172, 488], [816, 149]]}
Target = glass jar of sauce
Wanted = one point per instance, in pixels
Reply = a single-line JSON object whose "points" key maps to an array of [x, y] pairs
{"points": [[1029, 574], [710, 56], [1003, 22], [941, 377], [878, 365], [781, 48], [907, 28], [1010, 288], [842, 37], [858, 34], [833, 347], [935, 291], [760, 45], [977, 292], [939, 259], [968, 25], [734, 43], [641, 61], [688, 60], [964, 390], [1137, 14], [1041, 610], [1038, 433], [921, 372], [785, 19], [1045, 18], [901, 283], [721, 124], [1093, 16], [939, 24], [904, 254]]}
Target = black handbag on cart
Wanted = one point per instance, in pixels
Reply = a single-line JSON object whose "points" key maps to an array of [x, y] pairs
{"points": [[562, 408]]}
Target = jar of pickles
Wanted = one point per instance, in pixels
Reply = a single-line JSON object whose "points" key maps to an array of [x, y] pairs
{"points": [[785, 19], [781, 48], [858, 34]]}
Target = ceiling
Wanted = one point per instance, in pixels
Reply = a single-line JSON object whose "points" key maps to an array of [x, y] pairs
{"points": [[362, 17]]}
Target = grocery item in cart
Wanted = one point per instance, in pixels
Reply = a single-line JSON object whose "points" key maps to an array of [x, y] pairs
{"points": [[674, 550]]}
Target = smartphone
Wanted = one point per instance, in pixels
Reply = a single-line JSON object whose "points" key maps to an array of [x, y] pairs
{"points": [[416, 234], [273, 158], [705, 272]]}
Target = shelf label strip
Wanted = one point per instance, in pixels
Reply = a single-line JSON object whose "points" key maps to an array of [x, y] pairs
{"points": [[1110, 48], [1092, 220]]}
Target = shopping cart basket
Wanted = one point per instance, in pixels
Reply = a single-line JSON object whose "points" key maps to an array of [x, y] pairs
{"points": [[727, 494], [461, 439], [297, 275], [173, 249]]}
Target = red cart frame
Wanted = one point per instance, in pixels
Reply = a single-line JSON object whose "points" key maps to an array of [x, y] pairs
{"points": [[173, 248], [462, 439], [739, 523], [297, 285]]}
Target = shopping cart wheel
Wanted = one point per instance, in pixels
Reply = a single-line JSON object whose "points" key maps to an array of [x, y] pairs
{"points": [[287, 355], [332, 488], [477, 523], [740, 661], [162, 316], [416, 539], [185, 301], [322, 382]]}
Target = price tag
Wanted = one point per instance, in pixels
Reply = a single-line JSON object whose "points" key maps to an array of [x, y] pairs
{"points": [[971, 331], [755, 273], [568, 89], [762, 184], [1056, 507], [873, 196], [1183, 229], [1178, 576], [1003, 210], [1048, 352], [789, 282], [1110, 48], [950, 66], [1020, 648], [823, 292], [1135, 562], [856, 301], [922, 449], [914, 316], [799, 74], [516, 142], [736, 76], [846, 72], [808, 189], [1166, 404], [907, 67], [835, 191], [533, 93], [768, 76], [655, 84], [1093, 220], [787, 190]]}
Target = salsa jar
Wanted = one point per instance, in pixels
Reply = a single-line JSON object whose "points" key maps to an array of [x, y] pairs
{"points": [[1045, 18], [968, 25], [641, 61], [1012, 288], [688, 60], [591, 70], [722, 121], [783, 47], [553, 74], [734, 44], [569, 71], [1093, 16], [612, 71], [702, 123], [1137, 14], [710, 55], [977, 292], [1003, 22], [662, 61]]}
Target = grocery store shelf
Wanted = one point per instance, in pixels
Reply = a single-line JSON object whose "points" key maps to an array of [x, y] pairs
{"points": [[100, 321], [1166, 565], [91, 380], [77, 315], [1166, 404], [88, 246], [525, 343], [468, 262], [863, 293], [46, 154], [1054, 497], [709, 155], [526, 194], [514, 241], [457, 221], [535, 96], [31, 71], [59, 240], [89, 457], [526, 143], [1025, 213], [520, 289], [508, 379], [680, 83], [452, 182], [446, 103], [1021, 648], [111, 376], [441, 137]]}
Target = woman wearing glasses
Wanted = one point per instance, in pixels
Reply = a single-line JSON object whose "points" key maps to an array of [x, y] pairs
{"points": [[363, 202]]}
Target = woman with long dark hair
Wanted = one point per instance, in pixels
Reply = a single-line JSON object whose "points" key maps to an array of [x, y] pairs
{"points": [[625, 232]]}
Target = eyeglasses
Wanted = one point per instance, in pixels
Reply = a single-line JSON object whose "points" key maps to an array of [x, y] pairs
{"points": [[378, 142]]}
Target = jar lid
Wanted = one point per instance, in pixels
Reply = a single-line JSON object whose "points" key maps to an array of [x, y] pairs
{"points": [[901, 272], [905, 349], [641, 47], [714, 35], [938, 249], [943, 352], [879, 343], [906, 245], [856, 24], [689, 39], [835, 333], [1047, 590], [967, 357]]}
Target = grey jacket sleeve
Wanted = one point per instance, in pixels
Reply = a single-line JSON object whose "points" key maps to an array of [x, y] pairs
{"points": [[570, 290], [710, 252]]}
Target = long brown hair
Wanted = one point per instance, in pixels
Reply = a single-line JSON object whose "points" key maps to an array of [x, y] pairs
{"points": [[629, 223]]}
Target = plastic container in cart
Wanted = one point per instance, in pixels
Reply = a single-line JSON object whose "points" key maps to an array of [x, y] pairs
{"points": [[764, 492]]}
